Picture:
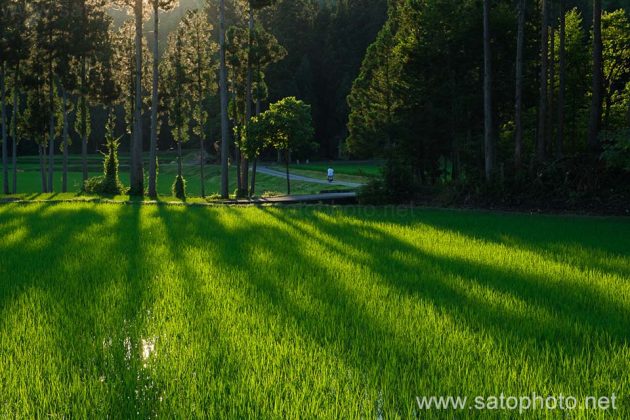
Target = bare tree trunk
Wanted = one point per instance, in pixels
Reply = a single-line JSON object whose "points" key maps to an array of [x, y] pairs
{"points": [[237, 137], [154, 107], [225, 125], [563, 76], [137, 172], [202, 162], [542, 106], [5, 156], [248, 104], [237, 159], [51, 130], [252, 189], [179, 157], [287, 160], [64, 184], [42, 166], [487, 89], [83, 111], [518, 97], [596, 101], [15, 124], [552, 87], [453, 124]]}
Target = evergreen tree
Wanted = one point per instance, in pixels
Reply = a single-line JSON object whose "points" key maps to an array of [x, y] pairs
{"points": [[136, 174], [597, 75], [156, 6], [92, 39], [177, 88], [124, 73], [199, 52]]}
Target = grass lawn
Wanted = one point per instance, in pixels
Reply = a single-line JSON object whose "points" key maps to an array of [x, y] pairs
{"points": [[128, 310], [29, 178]]}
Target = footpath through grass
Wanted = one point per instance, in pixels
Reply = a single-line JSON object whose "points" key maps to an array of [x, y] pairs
{"points": [[125, 310]]}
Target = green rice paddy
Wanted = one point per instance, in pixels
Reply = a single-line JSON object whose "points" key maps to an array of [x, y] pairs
{"points": [[125, 311]]}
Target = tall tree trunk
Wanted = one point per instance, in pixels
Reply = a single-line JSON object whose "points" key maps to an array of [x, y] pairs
{"points": [[487, 89], [137, 172], [64, 183], [83, 107], [552, 87], [452, 84], [542, 106], [154, 107], [225, 125], [51, 129], [518, 97], [42, 166], [237, 159], [596, 100], [562, 75], [5, 156], [237, 137], [248, 103], [287, 160], [15, 124], [83, 112], [179, 157], [202, 159], [252, 189]]}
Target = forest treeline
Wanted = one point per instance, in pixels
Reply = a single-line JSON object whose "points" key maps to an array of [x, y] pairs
{"points": [[78, 72], [525, 101], [510, 100]]}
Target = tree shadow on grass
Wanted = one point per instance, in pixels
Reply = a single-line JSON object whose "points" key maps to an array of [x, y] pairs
{"points": [[94, 276], [417, 271], [269, 292], [601, 243], [553, 317], [571, 320], [281, 281], [46, 228], [211, 363]]}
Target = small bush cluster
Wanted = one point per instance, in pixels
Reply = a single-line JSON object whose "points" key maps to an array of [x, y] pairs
{"points": [[108, 183], [179, 188]]}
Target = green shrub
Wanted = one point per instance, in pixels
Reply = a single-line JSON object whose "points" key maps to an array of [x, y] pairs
{"points": [[108, 183], [93, 185], [179, 188]]}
